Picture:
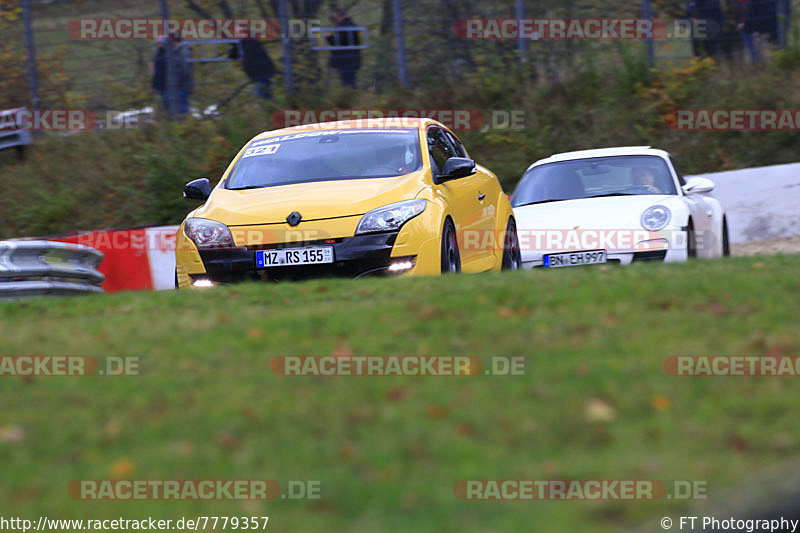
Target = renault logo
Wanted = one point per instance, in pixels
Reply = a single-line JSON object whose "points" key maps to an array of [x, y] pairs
{"points": [[294, 218]]}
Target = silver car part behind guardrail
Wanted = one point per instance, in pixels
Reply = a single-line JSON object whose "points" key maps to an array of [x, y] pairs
{"points": [[33, 268]]}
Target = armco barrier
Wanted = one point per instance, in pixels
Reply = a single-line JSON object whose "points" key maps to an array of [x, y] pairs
{"points": [[136, 259], [31, 268]]}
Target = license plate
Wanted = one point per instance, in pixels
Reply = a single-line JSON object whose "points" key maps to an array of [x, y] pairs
{"points": [[569, 259], [314, 255]]}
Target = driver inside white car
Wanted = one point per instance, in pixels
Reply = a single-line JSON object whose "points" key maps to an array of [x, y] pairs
{"points": [[645, 178]]}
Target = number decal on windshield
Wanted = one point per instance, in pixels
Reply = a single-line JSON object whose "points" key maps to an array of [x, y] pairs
{"points": [[268, 149]]}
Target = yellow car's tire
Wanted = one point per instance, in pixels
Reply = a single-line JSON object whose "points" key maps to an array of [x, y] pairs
{"points": [[512, 256], [451, 258]]}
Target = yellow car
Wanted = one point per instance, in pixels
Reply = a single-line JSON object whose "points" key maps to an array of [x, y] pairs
{"points": [[350, 198]]}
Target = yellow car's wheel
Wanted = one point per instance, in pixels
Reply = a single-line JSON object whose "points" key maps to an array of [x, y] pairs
{"points": [[512, 256], [451, 259]]}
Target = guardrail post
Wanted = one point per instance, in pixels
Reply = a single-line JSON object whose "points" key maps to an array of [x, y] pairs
{"points": [[169, 54], [286, 46], [31, 52], [647, 14], [522, 44], [399, 33]]}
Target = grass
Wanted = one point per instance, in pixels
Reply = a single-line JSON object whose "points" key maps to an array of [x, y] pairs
{"points": [[388, 450]]}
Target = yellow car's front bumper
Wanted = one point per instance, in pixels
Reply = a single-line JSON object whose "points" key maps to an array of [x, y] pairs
{"points": [[354, 255]]}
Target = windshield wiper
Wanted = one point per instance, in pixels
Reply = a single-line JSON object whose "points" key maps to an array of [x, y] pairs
{"points": [[248, 187], [613, 194], [545, 201]]}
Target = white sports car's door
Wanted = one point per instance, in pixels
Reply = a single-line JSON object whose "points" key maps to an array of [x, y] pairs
{"points": [[701, 214], [702, 217]]}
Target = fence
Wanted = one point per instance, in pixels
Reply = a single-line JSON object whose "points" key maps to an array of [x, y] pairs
{"points": [[405, 42], [30, 268]]}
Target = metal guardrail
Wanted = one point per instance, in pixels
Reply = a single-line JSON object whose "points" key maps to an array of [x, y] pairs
{"points": [[34, 268], [10, 132]]}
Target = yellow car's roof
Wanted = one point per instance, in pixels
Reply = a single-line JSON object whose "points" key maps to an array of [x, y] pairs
{"points": [[366, 123]]}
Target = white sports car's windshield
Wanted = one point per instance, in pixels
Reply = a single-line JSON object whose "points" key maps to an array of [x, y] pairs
{"points": [[326, 155], [594, 177]]}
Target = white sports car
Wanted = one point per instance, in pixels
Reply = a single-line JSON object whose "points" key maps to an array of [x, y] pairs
{"points": [[615, 205]]}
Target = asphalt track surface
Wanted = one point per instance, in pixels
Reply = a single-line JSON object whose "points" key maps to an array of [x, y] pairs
{"points": [[761, 203]]}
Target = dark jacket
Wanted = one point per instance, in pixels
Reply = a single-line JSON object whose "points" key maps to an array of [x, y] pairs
{"points": [[183, 69], [160, 70], [710, 12], [256, 62], [705, 10], [758, 16], [345, 59]]}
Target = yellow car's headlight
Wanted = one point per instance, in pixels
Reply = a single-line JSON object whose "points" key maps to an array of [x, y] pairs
{"points": [[208, 233], [390, 217]]}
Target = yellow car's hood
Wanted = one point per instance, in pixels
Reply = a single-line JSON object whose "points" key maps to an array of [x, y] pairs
{"points": [[314, 201]]}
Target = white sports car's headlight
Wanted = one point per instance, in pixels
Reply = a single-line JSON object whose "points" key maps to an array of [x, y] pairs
{"points": [[390, 217], [656, 217], [208, 233]]}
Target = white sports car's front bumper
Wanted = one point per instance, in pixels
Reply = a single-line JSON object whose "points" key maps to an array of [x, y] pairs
{"points": [[669, 248]]}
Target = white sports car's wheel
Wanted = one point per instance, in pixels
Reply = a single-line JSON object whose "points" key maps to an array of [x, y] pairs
{"points": [[726, 246], [691, 242]]}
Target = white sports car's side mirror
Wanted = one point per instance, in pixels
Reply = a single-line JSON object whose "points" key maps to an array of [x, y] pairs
{"points": [[698, 185]]}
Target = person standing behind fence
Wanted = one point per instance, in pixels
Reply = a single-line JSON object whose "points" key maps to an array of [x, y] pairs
{"points": [[347, 62], [257, 65], [709, 13], [757, 22], [160, 72], [184, 75]]}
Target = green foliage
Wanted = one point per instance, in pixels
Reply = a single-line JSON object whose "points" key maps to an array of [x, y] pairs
{"points": [[636, 70], [787, 59], [168, 162]]}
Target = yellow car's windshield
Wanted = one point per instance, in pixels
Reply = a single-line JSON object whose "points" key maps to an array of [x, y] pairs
{"points": [[326, 155]]}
